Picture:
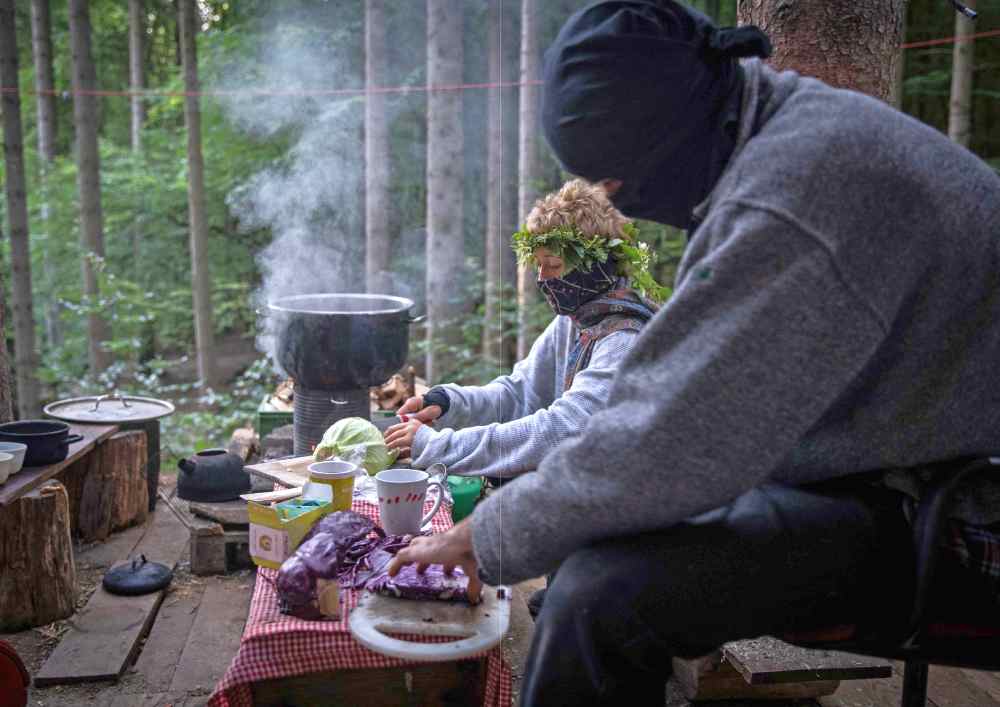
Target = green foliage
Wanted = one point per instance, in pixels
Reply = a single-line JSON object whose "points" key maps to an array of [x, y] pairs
{"points": [[580, 251]]}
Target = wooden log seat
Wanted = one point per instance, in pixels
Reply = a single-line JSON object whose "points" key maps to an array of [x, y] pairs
{"points": [[37, 575], [108, 489]]}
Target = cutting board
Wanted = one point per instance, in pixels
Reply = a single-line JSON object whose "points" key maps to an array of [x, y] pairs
{"points": [[477, 628], [289, 473]]}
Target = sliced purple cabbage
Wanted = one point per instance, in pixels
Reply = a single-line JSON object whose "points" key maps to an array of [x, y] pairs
{"points": [[432, 584], [341, 545]]}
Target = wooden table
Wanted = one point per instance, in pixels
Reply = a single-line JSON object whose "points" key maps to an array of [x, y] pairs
{"points": [[31, 477]]}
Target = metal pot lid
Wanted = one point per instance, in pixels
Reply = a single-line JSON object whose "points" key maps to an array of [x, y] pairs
{"points": [[109, 409]]}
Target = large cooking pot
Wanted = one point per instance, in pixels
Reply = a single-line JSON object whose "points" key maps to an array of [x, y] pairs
{"points": [[343, 341], [47, 441]]}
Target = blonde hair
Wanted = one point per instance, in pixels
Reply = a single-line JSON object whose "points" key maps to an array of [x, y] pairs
{"points": [[580, 205]]}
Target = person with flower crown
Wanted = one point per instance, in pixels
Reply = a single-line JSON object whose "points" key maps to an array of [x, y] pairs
{"points": [[594, 273]]}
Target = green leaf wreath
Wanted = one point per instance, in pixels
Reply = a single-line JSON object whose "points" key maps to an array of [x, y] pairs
{"points": [[580, 251]]}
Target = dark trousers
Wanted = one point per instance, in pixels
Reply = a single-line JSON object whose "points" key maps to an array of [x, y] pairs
{"points": [[777, 559]]}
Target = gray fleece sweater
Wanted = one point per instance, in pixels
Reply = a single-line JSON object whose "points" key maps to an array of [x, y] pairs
{"points": [[506, 427], [837, 310]]}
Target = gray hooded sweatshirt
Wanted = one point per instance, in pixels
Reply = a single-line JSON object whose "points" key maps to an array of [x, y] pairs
{"points": [[836, 311]]}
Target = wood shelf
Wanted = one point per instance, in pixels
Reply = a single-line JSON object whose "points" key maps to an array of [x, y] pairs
{"points": [[31, 477]]}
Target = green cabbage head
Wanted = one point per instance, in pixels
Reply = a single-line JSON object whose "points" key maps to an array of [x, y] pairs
{"points": [[358, 441]]}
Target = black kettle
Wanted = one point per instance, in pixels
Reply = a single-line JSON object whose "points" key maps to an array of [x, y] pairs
{"points": [[212, 476]]}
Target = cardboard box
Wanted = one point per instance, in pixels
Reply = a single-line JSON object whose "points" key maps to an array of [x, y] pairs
{"points": [[273, 538]]}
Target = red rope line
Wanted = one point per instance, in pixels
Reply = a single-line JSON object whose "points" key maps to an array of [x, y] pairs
{"points": [[950, 40], [427, 88]]}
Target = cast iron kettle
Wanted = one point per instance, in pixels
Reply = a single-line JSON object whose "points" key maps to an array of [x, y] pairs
{"points": [[212, 476]]}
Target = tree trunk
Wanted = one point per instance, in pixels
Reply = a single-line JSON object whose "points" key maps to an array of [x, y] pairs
{"points": [[37, 576], [88, 175], [25, 357], [501, 181], [900, 72], [376, 153], [846, 43], [6, 388], [445, 147], [45, 101], [201, 284], [529, 160], [960, 106], [107, 490], [137, 79]]}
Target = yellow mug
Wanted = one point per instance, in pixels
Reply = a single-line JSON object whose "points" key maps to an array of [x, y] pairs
{"points": [[339, 476]]}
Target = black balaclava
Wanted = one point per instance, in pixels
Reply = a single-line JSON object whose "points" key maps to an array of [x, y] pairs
{"points": [[648, 93], [567, 293]]}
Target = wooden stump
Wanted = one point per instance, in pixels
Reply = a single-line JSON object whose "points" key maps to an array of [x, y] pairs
{"points": [[114, 493], [37, 575]]}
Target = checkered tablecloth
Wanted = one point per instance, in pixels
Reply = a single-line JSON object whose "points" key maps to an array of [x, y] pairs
{"points": [[276, 646]]}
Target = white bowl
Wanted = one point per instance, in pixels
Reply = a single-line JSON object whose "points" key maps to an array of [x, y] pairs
{"points": [[6, 464], [18, 450]]}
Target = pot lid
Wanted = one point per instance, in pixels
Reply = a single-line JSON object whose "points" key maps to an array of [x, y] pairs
{"points": [[137, 577], [112, 409]]}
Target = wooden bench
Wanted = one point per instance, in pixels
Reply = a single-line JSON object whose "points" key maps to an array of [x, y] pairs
{"points": [[767, 668]]}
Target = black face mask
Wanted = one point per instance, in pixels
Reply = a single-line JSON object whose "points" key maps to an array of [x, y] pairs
{"points": [[645, 92], [566, 294]]}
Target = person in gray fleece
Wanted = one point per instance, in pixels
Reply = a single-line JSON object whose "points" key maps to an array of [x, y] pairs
{"points": [[834, 327], [505, 428]]}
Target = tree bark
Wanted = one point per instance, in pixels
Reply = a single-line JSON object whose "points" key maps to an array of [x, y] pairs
{"points": [[37, 576], [376, 152], [25, 356], [201, 284], [529, 160], [900, 72], [111, 487], [846, 43], [45, 102], [137, 78], [501, 180], [960, 105], [88, 175], [445, 147], [6, 388]]}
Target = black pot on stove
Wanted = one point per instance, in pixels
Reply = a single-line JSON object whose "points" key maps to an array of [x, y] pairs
{"points": [[212, 476]]}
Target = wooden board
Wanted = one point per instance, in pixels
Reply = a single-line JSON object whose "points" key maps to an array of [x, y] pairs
{"points": [[163, 647], [228, 513], [712, 678], [287, 472], [31, 477], [767, 660], [215, 637], [104, 636]]}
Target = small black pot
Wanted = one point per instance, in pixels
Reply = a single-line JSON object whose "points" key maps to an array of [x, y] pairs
{"points": [[47, 441]]}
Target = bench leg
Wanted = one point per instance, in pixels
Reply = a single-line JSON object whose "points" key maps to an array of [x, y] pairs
{"points": [[914, 684]]}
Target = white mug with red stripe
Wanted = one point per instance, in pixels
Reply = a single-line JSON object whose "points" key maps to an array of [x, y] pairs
{"points": [[401, 494]]}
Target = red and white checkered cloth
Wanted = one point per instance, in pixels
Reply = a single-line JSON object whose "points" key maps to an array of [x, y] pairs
{"points": [[276, 646]]}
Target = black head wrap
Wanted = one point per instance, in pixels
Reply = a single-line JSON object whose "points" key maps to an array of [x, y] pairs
{"points": [[648, 93]]}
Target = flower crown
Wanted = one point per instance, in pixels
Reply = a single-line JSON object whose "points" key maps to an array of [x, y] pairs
{"points": [[580, 252]]}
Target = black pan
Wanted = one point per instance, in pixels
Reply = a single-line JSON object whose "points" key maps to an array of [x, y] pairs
{"points": [[47, 441]]}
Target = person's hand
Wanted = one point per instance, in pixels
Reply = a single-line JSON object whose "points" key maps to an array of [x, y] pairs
{"points": [[414, 408], [400, 437], [452, 549]]}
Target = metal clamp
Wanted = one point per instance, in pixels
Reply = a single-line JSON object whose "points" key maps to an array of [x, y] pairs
{"points": [[101, 398]]}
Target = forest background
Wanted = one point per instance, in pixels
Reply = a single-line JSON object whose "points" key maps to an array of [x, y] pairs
{"points": [[257, 148]]}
